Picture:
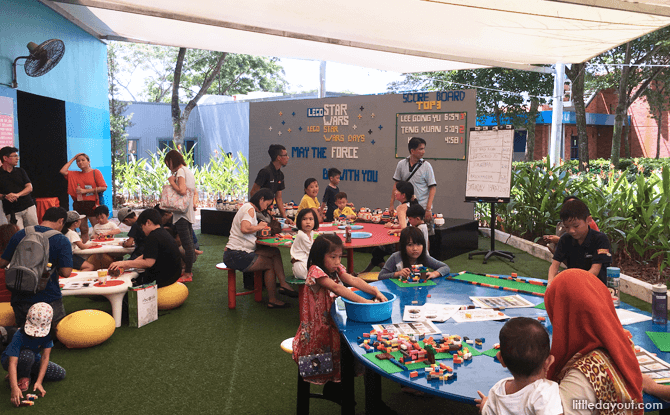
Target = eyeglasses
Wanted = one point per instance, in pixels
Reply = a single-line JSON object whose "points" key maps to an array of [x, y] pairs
{"points": [[284, 155]]}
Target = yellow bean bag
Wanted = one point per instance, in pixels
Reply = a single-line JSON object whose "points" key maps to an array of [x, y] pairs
{"points": [[172, 296], [369, 276], [7, 315], [85, 328]]}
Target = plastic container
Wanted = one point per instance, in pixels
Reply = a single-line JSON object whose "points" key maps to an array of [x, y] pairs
{"points": [[347, 238], [659, 304], [613, 282], [369, 312]]}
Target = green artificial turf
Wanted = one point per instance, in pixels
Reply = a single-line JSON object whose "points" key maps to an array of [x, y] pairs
{"points": [[203, 358]]}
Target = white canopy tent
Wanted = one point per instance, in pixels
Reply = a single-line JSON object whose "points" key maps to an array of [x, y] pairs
{"points": [[394, 35]]}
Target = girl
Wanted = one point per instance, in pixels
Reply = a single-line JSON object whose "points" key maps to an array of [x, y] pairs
{"points": [[183, 181], [306, 222], [404, 193], [22, 357], [72, 222], [309, 200], [317, 333], [412, 252]]}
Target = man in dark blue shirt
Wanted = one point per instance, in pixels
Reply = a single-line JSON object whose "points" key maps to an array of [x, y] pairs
{"points": [[60, 257]]}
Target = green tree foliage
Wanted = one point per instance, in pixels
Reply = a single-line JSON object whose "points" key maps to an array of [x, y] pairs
{"points": [[631, 68], [117, 121], [510, 96], [658, 98]]}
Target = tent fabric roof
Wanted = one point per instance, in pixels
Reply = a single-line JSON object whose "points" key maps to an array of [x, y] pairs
{"points": [[395, 35]]}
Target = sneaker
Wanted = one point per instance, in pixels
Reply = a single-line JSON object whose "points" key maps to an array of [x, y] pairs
{"points": [[185, 279], [24, 383]]}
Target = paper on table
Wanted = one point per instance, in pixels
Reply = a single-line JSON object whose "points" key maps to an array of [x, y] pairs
{"points": [[630, 317], [428, 311], [416, 327], [507, 301], [653, 366], [479, 314]]}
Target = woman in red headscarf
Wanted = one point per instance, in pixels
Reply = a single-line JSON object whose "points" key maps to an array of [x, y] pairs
{"points": [[595, 359]]}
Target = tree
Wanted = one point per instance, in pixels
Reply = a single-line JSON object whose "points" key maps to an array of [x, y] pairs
{"points": [[577, 74], [631, 68], [658, 97], [510, 96], [117, 121]]}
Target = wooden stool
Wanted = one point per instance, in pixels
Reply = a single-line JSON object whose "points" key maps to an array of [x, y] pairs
{"points": [[304, 395], [232, 281]]}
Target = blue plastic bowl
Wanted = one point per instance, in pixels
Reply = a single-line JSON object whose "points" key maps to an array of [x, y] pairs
{"points": [[369, 312]]}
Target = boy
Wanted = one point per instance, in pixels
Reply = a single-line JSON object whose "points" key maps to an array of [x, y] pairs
{"points": [[135, 235], [161, 258], [581, 247], [415, 215], [331, 191], [342, 208], [524, 350], [104, 227], [552, 240], [22, 357]]}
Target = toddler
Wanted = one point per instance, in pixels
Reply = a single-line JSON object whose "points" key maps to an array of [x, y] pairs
{"points": [[309, 200], [524, 350], [306, 222], [72, 222], [342, 208], [29, 352], [104, 227], [415, 215], [331, 190]]}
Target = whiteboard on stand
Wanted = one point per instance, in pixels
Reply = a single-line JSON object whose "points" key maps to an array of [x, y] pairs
{"points": [[489, 175]]}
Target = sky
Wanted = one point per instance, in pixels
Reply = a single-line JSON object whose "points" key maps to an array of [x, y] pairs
{"points": [[304, 75]]}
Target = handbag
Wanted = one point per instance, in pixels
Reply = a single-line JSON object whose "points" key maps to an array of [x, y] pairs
{"points": [[173, 201], [315, 364], [142, 304]]}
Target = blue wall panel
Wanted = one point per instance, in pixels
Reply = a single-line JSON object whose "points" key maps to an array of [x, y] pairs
{"points": [[88, 132]]}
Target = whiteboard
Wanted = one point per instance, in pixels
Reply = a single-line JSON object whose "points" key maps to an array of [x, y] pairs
{"points": [[489, 164]]}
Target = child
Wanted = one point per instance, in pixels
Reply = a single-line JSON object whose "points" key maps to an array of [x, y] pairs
{"points": [[342, 208], [404, 193], [317, 333], [306, 223], [524, 350], [415, 215], [104, 227], [581, 247], [552, 240], [331, 190], [135, 235], [72, 222], [412, 251], [309, 200], [22, 357]]}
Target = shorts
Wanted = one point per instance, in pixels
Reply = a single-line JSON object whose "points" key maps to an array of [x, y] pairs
{"points": [[77, 261], [239, 260], [84, 207]]}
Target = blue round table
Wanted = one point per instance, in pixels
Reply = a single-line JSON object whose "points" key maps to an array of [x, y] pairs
{"points": [[480, 373]]}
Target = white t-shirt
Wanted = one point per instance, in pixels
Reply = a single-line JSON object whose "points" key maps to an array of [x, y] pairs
{"points": [[73, 237], [109, 226], [424, 228], [541, 397], [189, 179], [238, 241], [301, 247]]}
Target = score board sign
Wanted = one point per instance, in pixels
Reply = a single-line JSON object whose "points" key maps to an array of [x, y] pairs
{"points": [[444, 132], [489, 164]]}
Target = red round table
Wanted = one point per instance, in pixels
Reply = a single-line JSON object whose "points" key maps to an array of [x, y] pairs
{"points": [[380, 236]]}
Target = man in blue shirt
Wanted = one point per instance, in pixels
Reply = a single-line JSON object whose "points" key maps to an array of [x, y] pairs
{"points": [[60, 257]]}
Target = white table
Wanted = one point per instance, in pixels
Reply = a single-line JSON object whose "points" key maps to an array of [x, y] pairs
{"points": [[112, 247], [113, 293]]}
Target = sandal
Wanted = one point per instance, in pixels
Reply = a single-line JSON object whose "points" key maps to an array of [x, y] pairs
{"points": [[273, 305], [289, 293]]}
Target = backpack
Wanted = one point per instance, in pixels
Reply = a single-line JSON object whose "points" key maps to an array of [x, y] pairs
{"points": [[28, 271]]}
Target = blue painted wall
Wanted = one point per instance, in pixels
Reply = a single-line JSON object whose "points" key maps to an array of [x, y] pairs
{"points": [[79, 79]]}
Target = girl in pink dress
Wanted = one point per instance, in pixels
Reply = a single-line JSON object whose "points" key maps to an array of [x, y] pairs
{"points": [[317, 334]]}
